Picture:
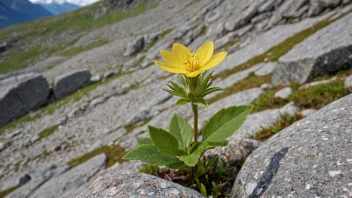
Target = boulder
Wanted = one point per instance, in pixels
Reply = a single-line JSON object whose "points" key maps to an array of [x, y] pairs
{"points": [[348, 83], [124, 183], [311, 158], [134, 46], [69, 83], [283, 93], [318, 6], [266, 68], [21, 94], [328, 50]]}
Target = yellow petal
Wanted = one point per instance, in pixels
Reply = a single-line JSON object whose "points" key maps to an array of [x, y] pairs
{"points": [[180, 51], [169, 68], [171, 59], [215, 60], [205, 52], [194, 74]]}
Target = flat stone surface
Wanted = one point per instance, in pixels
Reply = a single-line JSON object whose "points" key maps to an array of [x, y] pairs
{"points": [[310, 158], [263, 42], [71, 179], [308, 112], [283, 93], [21, 94], [348, 83], [328, 50], [266, 68], [123, 183], [69, 83]]}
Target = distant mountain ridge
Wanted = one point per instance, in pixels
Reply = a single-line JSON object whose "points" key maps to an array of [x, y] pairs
{"points": [[18, 11], [59, 8]]}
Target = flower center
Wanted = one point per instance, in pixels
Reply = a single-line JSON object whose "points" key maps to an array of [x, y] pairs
{"points": [[192, 63]]}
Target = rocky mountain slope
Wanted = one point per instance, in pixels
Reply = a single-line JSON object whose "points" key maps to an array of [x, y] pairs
{"points": [[56, 8], [288, 58], [18, 11]]}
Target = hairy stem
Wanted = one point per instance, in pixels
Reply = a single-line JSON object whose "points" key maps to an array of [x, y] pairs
{"points": [[195, 116]]}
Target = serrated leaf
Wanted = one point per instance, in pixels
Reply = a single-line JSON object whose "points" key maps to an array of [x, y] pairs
{"points": [[225, 123], [200, 101], [182, 101], [148, 153], [182, 130], [143, 141], [172, 92], [179, 89], [164, 141]]}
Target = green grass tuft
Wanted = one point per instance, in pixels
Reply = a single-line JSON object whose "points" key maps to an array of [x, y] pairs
{"points": [[114, 154], [47, 132], [8, 191], [285, 121]]}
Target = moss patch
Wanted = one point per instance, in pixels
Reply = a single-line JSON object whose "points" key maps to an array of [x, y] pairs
{"points": [[251, 82], [113, 153], [318, 96], [203, 31], [285, 121], [47, 132], [274, 53], [7, 191]]}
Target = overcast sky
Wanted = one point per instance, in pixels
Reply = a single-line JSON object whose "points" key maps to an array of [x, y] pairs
{"points": [[77, 2]]}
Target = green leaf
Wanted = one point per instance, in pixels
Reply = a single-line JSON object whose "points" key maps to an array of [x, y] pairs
{"points": [[194, 147], [182, 130], [181, 152], [200, 171], [190, 160], [225, 122], [164, 141], [143, 141], [200, 101], [177, 165], [178, 89], [201, 187], [182, 101], [148, 153], [212, 90]]}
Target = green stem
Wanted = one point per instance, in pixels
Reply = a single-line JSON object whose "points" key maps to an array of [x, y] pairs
{"points": [[195, 116]]}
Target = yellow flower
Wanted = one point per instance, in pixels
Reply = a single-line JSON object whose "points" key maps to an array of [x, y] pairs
{"points": [[182, 61]]}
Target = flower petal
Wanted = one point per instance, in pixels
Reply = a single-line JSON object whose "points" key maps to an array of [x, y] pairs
{"points": [[194, 74], [180, 51], [171, 59], [169, 68], [205, 52], [215, 60]]}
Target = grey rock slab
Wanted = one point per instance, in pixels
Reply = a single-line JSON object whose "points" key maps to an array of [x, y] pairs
{"points": [[290, 8], [266, 86], [266, 68], [328, 50], [123, 183], [134, 46], [283, 93], [348, 83], [21, 94], [71, 179], [308, 112], [35, 176], [4, 145], [318, 6], [263, 42], [305, 86], [69, 83], [310, 158]]}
